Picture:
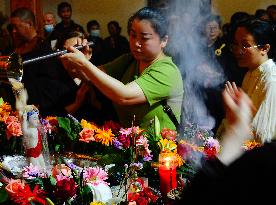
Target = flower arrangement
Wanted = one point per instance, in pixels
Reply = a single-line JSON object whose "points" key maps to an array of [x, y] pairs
{"points": [[133, 151], [65, 184]]}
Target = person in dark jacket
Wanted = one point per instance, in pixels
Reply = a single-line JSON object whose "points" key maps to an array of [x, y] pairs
{"points": [[66, 25], [115, 45], [48, 85]]}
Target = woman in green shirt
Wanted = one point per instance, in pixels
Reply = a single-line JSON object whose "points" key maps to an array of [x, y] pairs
{"points": [[137, 83]]}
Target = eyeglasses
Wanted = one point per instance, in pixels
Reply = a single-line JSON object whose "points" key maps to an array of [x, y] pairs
{"points": [[242, 48], [212, 28]]}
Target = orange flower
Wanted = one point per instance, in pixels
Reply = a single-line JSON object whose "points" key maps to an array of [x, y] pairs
{"points": [[248, 145], [13, 129], [192, 146], [6, 107], [106, 137], [5, 110], [13, 187]]}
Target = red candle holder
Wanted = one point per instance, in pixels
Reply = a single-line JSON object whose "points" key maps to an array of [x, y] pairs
{"points": [[167, 172]]}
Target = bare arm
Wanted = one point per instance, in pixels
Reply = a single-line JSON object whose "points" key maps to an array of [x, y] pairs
{"points": [[115, 90]]}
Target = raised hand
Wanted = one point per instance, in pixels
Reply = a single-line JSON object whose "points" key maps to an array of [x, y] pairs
{"points": [[239, 115]]}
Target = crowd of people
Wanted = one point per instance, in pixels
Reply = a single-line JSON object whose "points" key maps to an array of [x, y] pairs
{"points": [[57, 91]]}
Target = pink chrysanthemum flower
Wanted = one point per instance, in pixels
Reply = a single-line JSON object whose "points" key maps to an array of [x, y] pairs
{"points": [[95, 175]]}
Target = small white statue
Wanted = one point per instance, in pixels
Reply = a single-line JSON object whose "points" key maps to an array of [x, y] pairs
{"points": [[30, 124]]}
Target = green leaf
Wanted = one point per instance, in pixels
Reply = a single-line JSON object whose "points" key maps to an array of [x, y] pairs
{"points": [[157, 128], [1, 101], [86, 190], [3, 195], [57, 148], [71, 128], [53, 181], [64, 123], [49, 201]]}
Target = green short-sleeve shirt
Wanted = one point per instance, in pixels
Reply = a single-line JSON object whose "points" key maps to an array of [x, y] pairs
{"points": [[161, 80]]}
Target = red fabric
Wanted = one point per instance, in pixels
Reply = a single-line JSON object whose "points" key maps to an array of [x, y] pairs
{"points": [[35, 151]]}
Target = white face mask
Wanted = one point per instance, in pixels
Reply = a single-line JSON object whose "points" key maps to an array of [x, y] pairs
{"points": [[95, 33], [49, 28]]}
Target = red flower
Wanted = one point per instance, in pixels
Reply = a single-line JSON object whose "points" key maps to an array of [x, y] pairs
{"points": [[147, 191], [25, 196], [52, 120], [210, 152], [142, 201], [143, 197], [169, 134], [115, 127], [125, 140], [65, 188], [133, 196]]}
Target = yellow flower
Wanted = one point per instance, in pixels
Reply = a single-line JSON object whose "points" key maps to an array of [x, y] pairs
{"points": [[179, 160], [106, 137], [97, 203], [250, 144], [167, 145], [50, 118], [88, 125]]}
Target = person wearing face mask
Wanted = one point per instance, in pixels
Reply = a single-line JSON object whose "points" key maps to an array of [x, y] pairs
{"points": [[93, 28], [49, 25]]}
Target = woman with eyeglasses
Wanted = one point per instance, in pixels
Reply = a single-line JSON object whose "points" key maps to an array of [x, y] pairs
{"points": [[253, 48]]}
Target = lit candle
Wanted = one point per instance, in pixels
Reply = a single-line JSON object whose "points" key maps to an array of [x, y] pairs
{"points": [[167, 172]]}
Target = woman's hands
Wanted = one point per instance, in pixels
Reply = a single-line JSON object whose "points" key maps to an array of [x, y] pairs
{"points": [[239, 109], [75, 61], [237, 104]]}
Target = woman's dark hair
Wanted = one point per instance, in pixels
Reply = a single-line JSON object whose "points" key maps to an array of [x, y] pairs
{"points": [[63, 5], [238, 17], [259, 13], [72, 34], [154, 16], [116, 24], [262, 31], [92, 23]]}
